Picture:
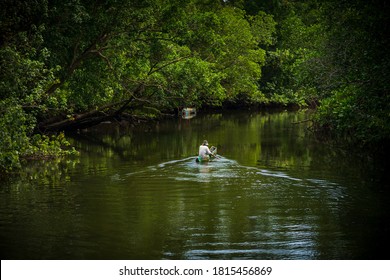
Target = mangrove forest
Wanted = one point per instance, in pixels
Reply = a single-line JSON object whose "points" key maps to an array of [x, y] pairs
{"points": [[67, 65]]}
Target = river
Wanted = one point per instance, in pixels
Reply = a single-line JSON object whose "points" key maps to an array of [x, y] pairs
{"points": [[275, 192]]}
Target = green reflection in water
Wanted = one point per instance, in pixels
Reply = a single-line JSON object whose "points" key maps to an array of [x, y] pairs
{"points": [[137, 193]]}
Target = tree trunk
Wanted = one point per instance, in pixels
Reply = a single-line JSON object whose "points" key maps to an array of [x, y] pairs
{"points": [[84, 120]]}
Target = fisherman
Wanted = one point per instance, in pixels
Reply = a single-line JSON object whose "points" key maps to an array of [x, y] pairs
{"points": [[204, 152]]}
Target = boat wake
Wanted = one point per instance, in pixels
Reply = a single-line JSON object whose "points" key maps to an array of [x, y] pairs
{"points": [[187, 169]]}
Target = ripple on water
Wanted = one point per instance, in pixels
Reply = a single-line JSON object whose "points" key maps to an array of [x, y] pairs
{"points": [[256, 213]]}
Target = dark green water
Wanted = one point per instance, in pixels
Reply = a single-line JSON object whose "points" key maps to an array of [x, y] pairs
{"points": [[275, 193]]}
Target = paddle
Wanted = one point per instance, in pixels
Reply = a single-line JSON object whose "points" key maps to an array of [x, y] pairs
{"points": [[215, 155], [214, 152]]}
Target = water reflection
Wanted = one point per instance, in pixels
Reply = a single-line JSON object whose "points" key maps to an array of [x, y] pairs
{"points": [[257, 215], [137, 193]]}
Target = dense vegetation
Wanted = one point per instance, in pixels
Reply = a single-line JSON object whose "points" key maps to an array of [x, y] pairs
{"points": [[70, 64]]}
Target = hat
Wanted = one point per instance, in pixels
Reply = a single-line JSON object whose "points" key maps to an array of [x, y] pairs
{"points": [[205, 143]]}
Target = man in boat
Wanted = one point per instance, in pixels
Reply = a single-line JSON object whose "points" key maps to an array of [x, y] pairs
{"points": [[204, 152]]}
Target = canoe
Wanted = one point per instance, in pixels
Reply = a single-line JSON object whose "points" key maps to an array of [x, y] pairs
{"points": [[208, 158]]}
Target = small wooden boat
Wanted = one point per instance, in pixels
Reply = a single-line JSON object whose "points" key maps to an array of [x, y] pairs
{"points": [[188, 113], [209, 158]]}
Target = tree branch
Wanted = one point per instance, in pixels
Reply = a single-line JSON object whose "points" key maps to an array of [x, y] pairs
{"points": [[167, 64]]}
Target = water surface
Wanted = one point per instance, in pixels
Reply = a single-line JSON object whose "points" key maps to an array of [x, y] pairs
{"points": [[137, 193]]}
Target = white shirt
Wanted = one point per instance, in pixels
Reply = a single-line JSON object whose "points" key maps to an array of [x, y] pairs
{"points": [[204, 151]]}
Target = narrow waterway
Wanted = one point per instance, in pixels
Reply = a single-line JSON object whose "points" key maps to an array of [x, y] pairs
{"points": [[275, 192]]}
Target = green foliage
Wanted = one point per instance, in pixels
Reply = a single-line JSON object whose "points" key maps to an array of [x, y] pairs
{"points": [[263, 27], [17, 141], [361, 118], [333, 55], [24, 81], [355, 71], [239, 58], [14, 131], [189, 57], [63, 60], [290, 78], [192, 82], [67, 59], [43, 146]]}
